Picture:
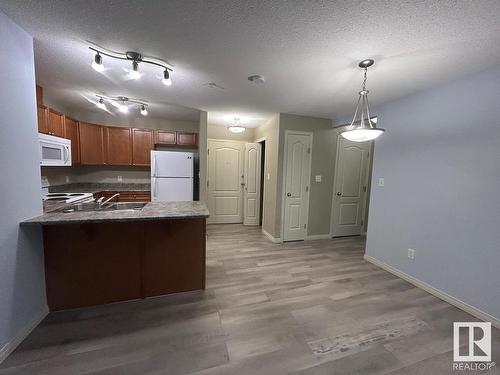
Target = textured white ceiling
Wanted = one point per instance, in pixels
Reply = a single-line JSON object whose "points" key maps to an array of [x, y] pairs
{"points": [[307, 50]]}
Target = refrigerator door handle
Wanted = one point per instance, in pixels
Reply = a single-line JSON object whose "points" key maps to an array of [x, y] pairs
{"points": [[155, 189]]}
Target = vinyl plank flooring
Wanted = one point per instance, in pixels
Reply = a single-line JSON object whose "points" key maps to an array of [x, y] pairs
{"points": [[301, 308]]}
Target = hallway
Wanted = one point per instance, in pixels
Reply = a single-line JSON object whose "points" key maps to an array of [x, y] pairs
{"points": [[304, 308]]}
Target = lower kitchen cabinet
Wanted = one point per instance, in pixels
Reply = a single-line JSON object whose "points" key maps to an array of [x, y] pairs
{"points": [[96, 263]]}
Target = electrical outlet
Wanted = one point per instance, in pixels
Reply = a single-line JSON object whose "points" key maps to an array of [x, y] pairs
{"points": [[318, 178], [411, 254], [381, 181], [120, 179]]}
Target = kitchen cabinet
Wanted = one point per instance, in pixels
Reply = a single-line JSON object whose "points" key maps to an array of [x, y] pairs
{"points": [[165, 137], [118, 145], [42, 116], [142, 144], [186, 139], [71, 133], [56, 123], [91, 144]]}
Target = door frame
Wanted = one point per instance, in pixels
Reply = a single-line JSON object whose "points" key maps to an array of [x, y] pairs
{"points": [[367, 184], [264, 190], [287, 132]]}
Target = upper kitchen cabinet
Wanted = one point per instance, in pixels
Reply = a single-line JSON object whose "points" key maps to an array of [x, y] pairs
{"points": [[186, 139], [118, 145], [71, 133], [91, 144], [165, 137], [43, 116], [142, 141], [56, 123]]}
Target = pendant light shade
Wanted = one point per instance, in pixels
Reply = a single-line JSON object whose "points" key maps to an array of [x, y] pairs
{"points": [[236, 127], [365, 129]]}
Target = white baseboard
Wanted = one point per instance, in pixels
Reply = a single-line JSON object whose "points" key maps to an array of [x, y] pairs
{"points": [[319, 237], [273, 239], [436, 292], [22, 334]]}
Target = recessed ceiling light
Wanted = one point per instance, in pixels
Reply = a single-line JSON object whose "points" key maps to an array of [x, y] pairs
{"points": [[256, 78]]}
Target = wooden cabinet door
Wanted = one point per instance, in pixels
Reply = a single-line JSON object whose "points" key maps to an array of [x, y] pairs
{"points": [[118, 145], [186, 139], [56, 123], [142, 144], [71, 133], [91, 144], [164, 137], [42, 115]]}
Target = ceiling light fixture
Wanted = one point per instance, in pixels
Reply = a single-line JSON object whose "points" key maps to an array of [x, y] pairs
{"points": [[236, 127], [135, 57], [97, 63], [366, 129], [122, 103]]}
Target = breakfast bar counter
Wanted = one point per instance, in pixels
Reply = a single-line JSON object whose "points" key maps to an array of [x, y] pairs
{"points": [[99, 257]]}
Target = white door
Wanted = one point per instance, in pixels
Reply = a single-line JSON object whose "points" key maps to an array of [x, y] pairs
{"points": [[225, 181], [296, 187], [251, 192], [350, 185]]}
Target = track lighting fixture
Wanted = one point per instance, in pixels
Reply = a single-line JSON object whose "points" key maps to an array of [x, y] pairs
{"points": [[97, 63], [166, 78], [100, 104], [236, 127], [122, 103], [135, 57], [366, 129]]}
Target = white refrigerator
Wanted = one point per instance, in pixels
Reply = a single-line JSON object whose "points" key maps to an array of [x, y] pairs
{"points": [[171, 176]]}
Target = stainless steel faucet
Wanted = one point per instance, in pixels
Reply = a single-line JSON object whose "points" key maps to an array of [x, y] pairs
{"points": [[102, 203]]}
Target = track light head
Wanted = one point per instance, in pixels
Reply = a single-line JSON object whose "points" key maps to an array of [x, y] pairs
{"points": [[97, 63], [166, 78], [144, 110], [100, 104], [134, 72]]}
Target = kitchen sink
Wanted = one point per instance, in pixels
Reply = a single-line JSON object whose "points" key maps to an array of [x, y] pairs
{"points": [[94, 206]]}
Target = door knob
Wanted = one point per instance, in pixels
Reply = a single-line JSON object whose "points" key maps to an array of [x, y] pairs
{"points": [[339, 193], [288, 194]]}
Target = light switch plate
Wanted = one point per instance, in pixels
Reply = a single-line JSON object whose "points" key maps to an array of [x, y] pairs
{"points": [[318, 178], [381, 181]]}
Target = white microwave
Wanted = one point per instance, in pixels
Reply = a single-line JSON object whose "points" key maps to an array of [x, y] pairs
{"points": [[54, 151]]}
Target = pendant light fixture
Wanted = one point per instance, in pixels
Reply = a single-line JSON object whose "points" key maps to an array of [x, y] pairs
{"points": [[236, 127], [135, 57], [366, 129]]}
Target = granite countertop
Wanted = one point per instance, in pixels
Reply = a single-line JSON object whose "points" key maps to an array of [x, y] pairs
{"points": [[87, 187], [152, 211]]}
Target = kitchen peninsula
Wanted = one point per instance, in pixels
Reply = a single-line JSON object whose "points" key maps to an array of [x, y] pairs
{"points": [[103, 256]]}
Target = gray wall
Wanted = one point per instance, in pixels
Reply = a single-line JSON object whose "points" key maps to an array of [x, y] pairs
{"points": [[203, 146], [22, 282], [323, 163], [270, 130], [440, 158]]}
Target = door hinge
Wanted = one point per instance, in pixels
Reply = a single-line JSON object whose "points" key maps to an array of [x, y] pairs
{"points": [[307, 188], [305, 225], [362, 221], [309, 150], [208, 183], [364, 189], [208, 151]]}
